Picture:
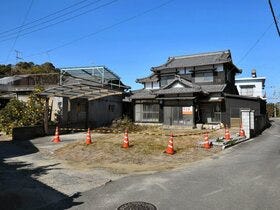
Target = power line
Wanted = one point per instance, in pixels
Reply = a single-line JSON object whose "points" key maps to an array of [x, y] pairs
{"points": [[49, 15], [255, 43], [274, 18], [61, 21], [16, 38], [104, 29]]}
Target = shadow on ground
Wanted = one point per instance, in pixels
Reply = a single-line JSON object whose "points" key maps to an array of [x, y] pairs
{"points": [[18, 187]]}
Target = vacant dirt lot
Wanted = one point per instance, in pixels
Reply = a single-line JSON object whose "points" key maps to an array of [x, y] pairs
{"points": [[145, 152], [71, 166]]}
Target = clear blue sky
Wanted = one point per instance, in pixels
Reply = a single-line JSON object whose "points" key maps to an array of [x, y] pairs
{"points": [[130, 49]]}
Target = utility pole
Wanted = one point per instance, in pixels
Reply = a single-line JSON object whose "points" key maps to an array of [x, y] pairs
{"points": [[274, 17], [18, 56]]}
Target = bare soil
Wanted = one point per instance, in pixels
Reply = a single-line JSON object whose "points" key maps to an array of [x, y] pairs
{"points": [[146, 151]]}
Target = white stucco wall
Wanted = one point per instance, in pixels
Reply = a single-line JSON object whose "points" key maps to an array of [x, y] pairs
{"points": [[258, 89]]}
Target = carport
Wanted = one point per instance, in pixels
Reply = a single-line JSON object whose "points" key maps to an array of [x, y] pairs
{"points": [[79, 98]]}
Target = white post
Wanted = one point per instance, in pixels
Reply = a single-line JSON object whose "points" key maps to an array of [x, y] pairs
{"points": [[246, 121], [252, 119]]}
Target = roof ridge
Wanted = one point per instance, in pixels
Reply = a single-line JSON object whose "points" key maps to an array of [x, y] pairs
{"points": [[199, 54], [75, 67]]}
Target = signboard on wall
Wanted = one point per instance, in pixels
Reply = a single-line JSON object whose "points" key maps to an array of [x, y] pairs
{"points": [[187, 110]]}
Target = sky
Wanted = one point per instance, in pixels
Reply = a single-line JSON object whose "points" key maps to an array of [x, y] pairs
{"points": [[131, 36]]}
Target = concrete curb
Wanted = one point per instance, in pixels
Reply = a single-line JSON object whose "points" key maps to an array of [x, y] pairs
{"points": [[225, 144]]}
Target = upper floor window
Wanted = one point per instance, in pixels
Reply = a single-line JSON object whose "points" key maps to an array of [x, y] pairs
{"points": [[152, 85], [181, 71], [184, 71], [204, 77], [247, 90], [148, 85], [166, 80]]}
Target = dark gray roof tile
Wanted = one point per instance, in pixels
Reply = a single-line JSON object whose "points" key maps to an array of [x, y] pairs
{"points": [[178, 90], [143, 94], [196, 60], [213, 88], [151, 78]]}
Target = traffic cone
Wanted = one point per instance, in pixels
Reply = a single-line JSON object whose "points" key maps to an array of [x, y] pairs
{"points": [[170, 150], [227, 134], [241, 131], [125, 140], [88, 139], [56, 138], [206, 143]]}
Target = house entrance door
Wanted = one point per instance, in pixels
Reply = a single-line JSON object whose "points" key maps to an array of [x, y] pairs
{"points": [[178, 115]]}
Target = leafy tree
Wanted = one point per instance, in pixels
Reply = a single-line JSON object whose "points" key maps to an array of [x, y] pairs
{"points": [[18, 113], [34, 113], [272, 109], [27, 68], [5, 70]]}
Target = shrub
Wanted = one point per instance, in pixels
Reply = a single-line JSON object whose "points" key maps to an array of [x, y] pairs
{"points": [[18, 113], [11, 115]]}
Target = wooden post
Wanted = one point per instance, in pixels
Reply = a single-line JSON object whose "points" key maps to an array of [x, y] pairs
{"points": [[46, 116]]}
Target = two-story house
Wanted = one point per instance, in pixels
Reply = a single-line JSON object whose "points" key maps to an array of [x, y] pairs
{"points": [[191, 89], [251, 86]]}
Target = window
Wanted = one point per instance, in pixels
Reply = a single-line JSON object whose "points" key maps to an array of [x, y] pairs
{"points": [[216, 117], [152, 85], [148, 85], [155, 85], [204, 77], [184, 70], [181, 71], [247, 91], [146, 112], [166, 80]]}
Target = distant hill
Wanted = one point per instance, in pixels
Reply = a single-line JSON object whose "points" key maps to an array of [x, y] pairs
{"points": [[27, 68]]}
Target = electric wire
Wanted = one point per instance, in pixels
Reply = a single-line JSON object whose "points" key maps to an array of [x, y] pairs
{"points": [[103, 29], [42, 18], [61, 21], [16, 38]]}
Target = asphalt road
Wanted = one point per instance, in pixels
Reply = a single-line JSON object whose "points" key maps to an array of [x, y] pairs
{"points": [[246, 176]]}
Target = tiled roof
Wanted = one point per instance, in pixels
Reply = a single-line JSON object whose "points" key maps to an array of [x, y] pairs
{"points": [[196, 60], [183, 81], [151, 78], [143, 94], [11, 79], [213, 88], [168, 89], [178, 90]]}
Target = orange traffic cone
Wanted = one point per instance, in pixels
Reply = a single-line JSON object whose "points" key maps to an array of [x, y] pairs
{"points": [[227, 134], [206, 143], [88, 139], [241, 131], [56, 138], [125, 140], [170, 150]]}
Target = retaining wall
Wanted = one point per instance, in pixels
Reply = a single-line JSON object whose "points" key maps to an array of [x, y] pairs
{"points": [[27, 133]]}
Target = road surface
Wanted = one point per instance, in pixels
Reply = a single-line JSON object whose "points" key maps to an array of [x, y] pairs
{"points": [[246, 176]]}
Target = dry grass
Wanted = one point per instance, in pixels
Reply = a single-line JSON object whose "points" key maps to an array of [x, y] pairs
{"points": [[145, 152]]}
